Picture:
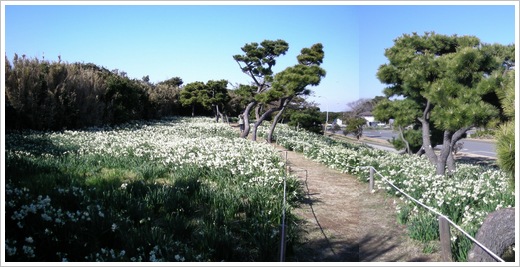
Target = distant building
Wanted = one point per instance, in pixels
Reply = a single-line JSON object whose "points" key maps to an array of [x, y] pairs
{"points": [[371, 122], [367, 115]]}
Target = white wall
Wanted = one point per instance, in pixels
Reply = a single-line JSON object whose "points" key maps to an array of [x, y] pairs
{"points": [[369, 119]]}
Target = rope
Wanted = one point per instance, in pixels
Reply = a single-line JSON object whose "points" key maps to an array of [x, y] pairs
{"points": [[414, 200], [442, 215]]}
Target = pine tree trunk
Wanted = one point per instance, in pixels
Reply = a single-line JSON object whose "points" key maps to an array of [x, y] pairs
{"points": [[255, 129], [454, 139], [275, 121], [445, 153], [450, 164], [265, 115], [273, 126], [427, 144], [218, 114], [407, 145], [258, 109], [245, 133], [259, 122]]}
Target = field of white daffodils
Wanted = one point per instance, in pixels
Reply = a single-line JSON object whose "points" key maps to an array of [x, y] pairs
{"points": [[183, 189], [188, 189]]}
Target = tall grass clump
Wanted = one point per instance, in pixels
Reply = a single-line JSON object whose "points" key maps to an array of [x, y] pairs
{"points": [[171, 190], [54, 95], [466, 197]]}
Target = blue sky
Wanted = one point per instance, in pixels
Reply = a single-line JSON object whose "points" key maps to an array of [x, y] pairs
{"points": [[197, 42]]}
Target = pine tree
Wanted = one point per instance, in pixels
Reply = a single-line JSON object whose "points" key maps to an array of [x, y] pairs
{"points": [[449, 78]]}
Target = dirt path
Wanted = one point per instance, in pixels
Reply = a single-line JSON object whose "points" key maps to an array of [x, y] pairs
{"points": [[346, 223]]}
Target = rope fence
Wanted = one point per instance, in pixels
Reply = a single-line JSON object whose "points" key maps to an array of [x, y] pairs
{"points": [[444, 221], [287, 170]]}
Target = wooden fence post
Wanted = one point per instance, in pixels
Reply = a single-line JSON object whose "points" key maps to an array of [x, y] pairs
{"points": [[371, 182], [444, 233]]}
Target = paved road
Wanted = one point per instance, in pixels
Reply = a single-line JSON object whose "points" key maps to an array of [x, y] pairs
{"points": [[482, 148], [471, 146], [382, 134], [387, 148]]}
